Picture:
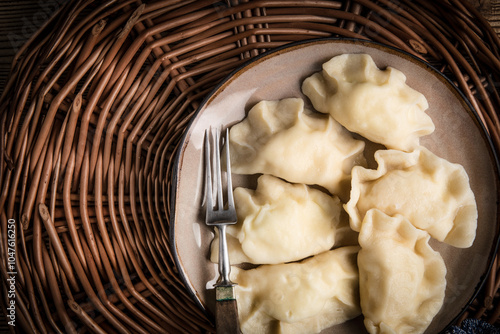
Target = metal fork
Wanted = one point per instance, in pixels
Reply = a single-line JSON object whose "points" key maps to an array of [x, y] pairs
{"points": [[219, 215]]}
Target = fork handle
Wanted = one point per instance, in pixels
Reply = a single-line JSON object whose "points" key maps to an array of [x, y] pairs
{"points": [[224, 265], [226, 311]]}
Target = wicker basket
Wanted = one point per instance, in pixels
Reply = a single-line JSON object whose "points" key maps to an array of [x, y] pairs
{"points": [[94, 109]]}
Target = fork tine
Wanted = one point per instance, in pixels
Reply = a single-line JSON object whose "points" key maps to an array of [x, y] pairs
{"points": [[218, 171], [208, 174], [230, 198]]}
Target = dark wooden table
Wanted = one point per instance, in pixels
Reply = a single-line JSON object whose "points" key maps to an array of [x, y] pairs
{"points": [[18, 21]]}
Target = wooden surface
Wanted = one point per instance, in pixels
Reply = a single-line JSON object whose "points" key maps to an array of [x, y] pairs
{"points": [[227, 317], [18, 21], [490, 10]]}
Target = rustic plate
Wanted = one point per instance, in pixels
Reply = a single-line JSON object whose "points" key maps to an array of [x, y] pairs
{"points": [[459, 137]]}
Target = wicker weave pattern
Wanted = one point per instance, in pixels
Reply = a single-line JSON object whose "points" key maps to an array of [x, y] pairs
{"points": [[92, 115]]}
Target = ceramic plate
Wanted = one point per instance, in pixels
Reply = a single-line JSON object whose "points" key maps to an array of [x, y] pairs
{"points": [[459, 137]]}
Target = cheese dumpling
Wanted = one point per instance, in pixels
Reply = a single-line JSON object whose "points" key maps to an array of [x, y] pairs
{"points": [[283, 139], [401, 278], [431, 192], [377, 104], [280, 222], [304, 297]]}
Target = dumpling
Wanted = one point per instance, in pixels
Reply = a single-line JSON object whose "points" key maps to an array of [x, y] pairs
{"points": [[283, 139], [401, 278], [280, 222], [304, 297], [377, 104], [431, 192]]}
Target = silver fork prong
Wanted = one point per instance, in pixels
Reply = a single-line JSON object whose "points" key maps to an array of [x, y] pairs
{"points": [[230, 199], [208, 174], [220, 201]]}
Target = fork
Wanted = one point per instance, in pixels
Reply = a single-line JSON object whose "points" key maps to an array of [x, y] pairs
{"points": [[219, 215]]}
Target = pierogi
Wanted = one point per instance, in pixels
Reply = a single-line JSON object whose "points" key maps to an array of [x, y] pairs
{"points": [[431, 192], [280, 222], [401, 278], [304, 297], [377, 104], [283, 139], [396, 280]]}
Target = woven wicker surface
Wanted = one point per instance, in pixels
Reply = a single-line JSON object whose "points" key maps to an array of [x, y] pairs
{"points": [[94, 109]]}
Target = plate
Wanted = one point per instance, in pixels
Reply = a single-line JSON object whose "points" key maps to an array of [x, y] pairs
{"points": [[459, 137]]}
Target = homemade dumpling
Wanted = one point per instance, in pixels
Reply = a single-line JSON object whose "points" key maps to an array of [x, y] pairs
{"points": [[377, 104], [431, 192], [280, 222], [283, 139], [401, 278], [300, 298]]}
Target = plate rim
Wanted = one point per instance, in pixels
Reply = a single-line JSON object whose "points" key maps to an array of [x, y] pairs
{"points": [[304, 43]]}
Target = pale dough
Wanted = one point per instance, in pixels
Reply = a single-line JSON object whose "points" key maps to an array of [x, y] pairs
{"points": [[401, 278], [299, 298], [283, 139], [377, 104], [431, 192], [281, 222]]}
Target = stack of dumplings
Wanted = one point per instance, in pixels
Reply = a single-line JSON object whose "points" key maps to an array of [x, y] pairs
{"points": [[331, 239]]}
